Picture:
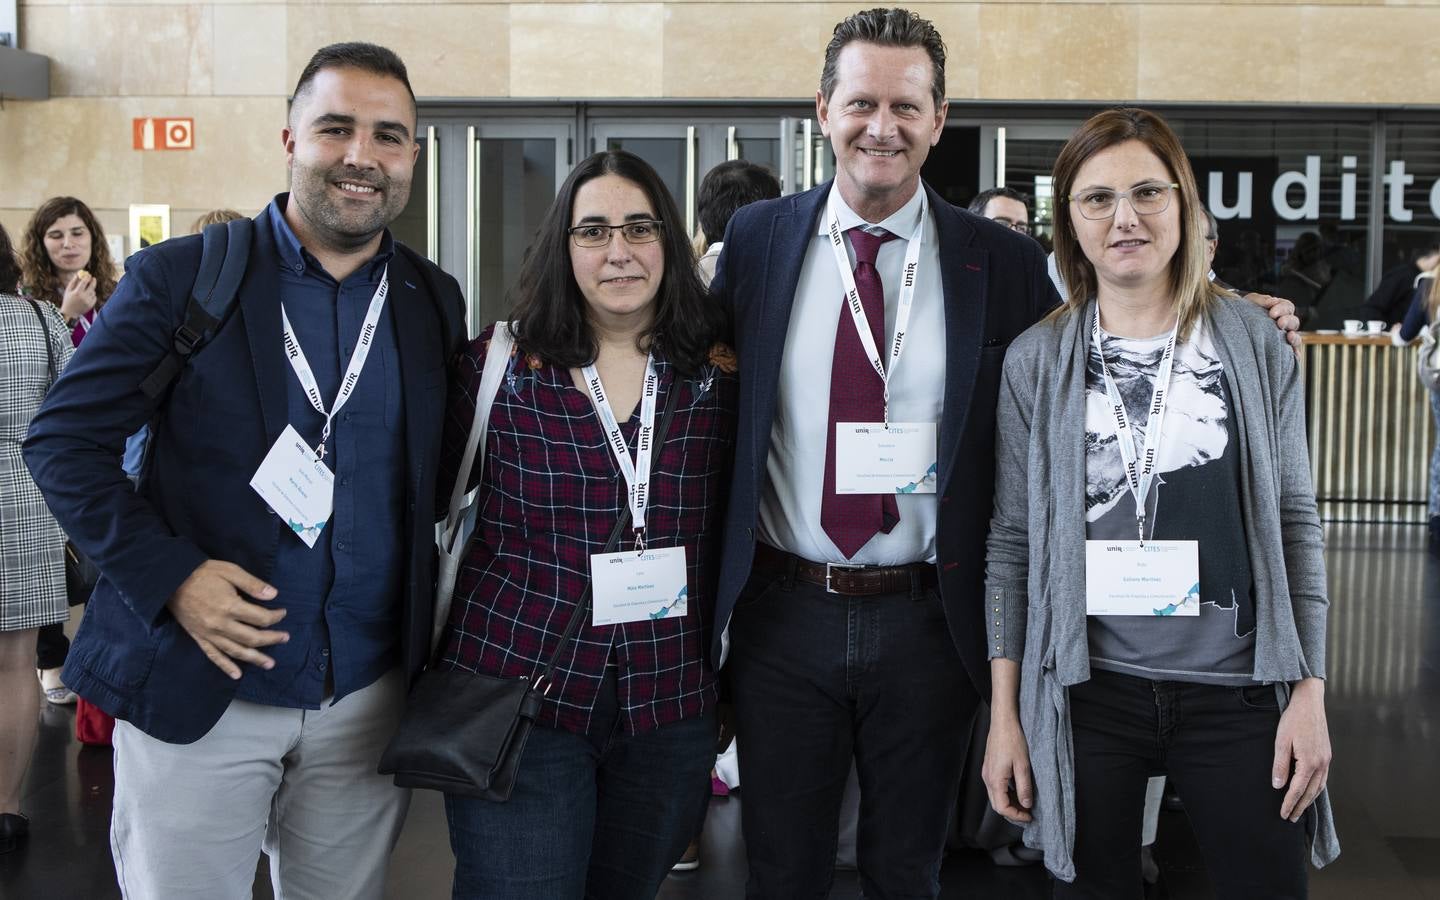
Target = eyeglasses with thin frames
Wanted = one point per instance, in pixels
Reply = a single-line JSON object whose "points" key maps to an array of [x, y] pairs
{"points": [[1147, 199], [1022, 227], [597, 234]]}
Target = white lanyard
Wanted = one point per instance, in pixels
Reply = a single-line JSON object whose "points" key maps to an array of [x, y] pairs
{"points": [[852, 293], [301, 365], [637, 473], [1139, 475]]}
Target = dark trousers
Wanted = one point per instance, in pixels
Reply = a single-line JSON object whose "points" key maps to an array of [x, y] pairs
{"points": [[601, 816], [820, 679], [51, 646], [1216, 744]]}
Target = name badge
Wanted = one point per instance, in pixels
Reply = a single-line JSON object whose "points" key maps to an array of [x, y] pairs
{"points": [[296, 485], [871, 458], [633, 587], [1161, 578]]}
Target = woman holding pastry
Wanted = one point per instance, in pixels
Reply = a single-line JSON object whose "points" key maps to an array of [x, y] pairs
{"points": [[66, 261]]}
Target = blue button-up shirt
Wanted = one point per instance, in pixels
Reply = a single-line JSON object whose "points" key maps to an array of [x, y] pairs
{"points": [[342, 597]]}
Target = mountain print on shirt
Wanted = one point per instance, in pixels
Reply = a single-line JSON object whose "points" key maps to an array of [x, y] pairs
{"points": [[1197, 472]]}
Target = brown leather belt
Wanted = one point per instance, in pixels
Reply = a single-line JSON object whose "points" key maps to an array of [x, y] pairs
{"points": [[853, 581]]}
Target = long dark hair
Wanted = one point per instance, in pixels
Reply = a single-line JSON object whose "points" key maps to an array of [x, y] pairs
{"points": [[551, 311], [37, 272], [9, 265]]}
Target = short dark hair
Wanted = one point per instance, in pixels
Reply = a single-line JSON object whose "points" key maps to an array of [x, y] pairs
{"points": [[982, 199], [9, 265], [893, 27], [726, 188], [372, 58], [550, 311]]}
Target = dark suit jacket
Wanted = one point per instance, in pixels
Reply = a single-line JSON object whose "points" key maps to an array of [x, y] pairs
{"points": [[223, 413], [995, 286]]}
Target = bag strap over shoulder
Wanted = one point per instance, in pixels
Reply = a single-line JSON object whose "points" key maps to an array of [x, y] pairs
{"points": [[225, 250], [497, 359], [45, 335], [621, 523]]}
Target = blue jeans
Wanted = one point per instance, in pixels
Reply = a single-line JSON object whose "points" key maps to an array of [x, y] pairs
{"points": [[601, 816], [1216, 745], [820, 680]]}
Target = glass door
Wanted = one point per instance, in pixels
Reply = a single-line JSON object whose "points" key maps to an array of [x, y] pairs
{"points": [[671, 148], [418, 226], [513, 170], [1021, 156], [808, 159]]}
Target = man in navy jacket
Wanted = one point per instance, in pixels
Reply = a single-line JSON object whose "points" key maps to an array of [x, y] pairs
{"points": [[256, 674], [867, 646]]}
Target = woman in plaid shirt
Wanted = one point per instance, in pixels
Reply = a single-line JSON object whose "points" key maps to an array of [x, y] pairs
{"points": [[616, 772]]}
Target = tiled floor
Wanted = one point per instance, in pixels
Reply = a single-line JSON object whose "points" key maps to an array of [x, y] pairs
{"points": [[1383, 702]]}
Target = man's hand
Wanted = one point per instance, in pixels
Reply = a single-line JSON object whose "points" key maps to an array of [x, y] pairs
{"points": [[1282, 311], [1006, 771], [210, 606], [79, 297], [1304, 738]]}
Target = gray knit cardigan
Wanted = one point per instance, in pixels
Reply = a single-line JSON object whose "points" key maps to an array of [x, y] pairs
{"points": [[1035, 567]]}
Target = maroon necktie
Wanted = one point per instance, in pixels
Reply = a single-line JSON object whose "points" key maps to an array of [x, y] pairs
{"points": [[857, 395]]}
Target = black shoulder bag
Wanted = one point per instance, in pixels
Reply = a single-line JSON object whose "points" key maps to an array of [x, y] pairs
{"points": [[80, 573], [463, 732]]}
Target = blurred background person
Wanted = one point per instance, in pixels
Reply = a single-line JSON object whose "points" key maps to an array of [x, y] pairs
{"points": [[1004, 205], [65, 262], [214, 217], [1391, 299], [1305, 278], [34, 348], [1424, 305], [726, 188]]}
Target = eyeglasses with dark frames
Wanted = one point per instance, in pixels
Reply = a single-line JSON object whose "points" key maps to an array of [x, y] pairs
{"points": [[597, 234]]}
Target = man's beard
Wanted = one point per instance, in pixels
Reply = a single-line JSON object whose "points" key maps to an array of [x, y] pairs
{"points": [[330, 218]]}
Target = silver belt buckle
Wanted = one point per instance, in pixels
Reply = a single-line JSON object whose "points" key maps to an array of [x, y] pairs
{"points": [[830, 568]]}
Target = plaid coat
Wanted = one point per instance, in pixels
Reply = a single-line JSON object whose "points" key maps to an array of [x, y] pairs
{"points": [[32, 562]]}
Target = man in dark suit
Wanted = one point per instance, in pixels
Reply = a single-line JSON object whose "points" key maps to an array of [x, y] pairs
{"points": [[851, 583], [267, 589]]}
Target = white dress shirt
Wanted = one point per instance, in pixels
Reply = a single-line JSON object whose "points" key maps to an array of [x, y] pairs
{"points": [[795, 469]]}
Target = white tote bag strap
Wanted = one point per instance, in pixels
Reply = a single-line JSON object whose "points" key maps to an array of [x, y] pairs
{"points": [[496, 359], [452, 536]]}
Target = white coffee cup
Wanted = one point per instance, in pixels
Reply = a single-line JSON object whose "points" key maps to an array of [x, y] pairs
{"points": [[1353, 326], [1375, 326]]}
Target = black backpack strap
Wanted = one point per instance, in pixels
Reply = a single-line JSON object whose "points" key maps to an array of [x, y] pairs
{"points": [[225, 250]]}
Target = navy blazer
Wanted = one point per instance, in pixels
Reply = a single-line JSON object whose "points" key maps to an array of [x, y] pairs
{"points": [[223, 413], [995, 286]]}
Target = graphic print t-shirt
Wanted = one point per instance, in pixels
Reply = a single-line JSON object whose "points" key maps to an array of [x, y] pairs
{"points": [[1195, 495]]}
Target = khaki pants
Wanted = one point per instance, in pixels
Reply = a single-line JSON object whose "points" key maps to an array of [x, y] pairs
{"points": [[191, 819]]}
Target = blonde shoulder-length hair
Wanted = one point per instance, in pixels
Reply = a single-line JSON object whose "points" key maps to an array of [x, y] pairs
{"points": [[1190, 280]]}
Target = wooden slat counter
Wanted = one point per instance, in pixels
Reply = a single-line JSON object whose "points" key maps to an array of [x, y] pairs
{"points": [[1370, 425]]}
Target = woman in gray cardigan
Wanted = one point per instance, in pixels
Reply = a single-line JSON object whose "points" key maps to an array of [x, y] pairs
{"points": [[1155, 579]]}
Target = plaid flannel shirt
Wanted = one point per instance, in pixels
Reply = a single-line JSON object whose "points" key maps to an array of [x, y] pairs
{"points": [[550, 492]]}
